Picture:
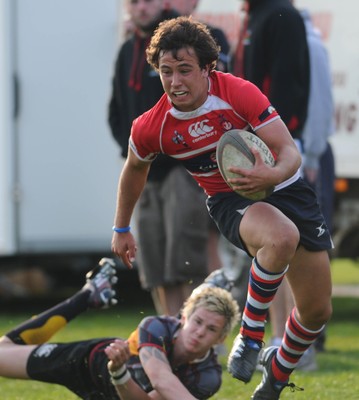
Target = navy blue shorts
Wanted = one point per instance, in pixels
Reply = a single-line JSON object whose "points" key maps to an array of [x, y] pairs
{"points": [[297, 201], [67, 364]]}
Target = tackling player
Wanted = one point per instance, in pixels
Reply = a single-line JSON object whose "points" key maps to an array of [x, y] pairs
{"points": [[164, 358]]}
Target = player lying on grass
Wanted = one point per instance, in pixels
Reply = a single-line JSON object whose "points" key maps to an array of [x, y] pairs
{"points": [[164, 358]]}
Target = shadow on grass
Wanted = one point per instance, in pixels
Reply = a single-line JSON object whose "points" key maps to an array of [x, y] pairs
{"points": [[345, 308], [338, 361]]}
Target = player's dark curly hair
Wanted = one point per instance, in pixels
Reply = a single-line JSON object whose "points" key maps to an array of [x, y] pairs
{"points": [[175, 34]]}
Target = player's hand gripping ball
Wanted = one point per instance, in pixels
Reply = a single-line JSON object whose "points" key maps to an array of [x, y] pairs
{"points": [[233, 150]]}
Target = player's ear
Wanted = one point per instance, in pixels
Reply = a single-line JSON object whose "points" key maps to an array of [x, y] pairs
{"points": [[183, 319], [205, 71], [221, 339]]}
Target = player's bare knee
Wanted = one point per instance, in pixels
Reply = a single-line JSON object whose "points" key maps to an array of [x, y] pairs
{"points": [[327, 313], [315, 317], [4, 340], [285, 245]]}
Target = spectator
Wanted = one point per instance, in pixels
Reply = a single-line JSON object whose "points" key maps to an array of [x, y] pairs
{"points": [[172, 233], [318, 160], [273, 54], [215, 245], [188, 7]]}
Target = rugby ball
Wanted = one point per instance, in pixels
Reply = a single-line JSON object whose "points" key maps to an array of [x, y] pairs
{"points": [[233, 150]]}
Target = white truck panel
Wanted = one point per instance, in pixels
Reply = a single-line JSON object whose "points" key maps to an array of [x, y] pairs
{"points": [[337, 21], [64, 163], [7, 239]]}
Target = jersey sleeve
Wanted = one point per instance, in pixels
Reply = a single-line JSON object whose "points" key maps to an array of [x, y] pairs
{"points": [[249, 102], [203, 379], [139, 145], [157, 332], [146, 131]]}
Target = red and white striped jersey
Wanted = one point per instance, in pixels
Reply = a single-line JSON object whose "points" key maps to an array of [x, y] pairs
{"points": [[192, 137]]}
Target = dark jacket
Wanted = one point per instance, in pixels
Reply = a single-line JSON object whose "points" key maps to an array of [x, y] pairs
{"points": [[136, 87], [276, 59], [221, 40]]}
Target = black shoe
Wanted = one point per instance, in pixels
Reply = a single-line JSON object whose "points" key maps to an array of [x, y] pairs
{"points": [[243, 358], [101, 281], [270, 388]]}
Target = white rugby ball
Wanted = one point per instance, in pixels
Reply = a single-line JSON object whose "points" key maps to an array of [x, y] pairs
{"points": [[233, 150]]}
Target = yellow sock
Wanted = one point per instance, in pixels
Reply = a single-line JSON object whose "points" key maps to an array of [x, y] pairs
{"points": [[43, 333]]}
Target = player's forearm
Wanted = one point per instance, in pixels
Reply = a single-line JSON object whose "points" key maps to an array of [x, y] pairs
{"points": [[288, 158], [287, 164], [171, 388], [131, 184], [131, 391], [165, 383]]}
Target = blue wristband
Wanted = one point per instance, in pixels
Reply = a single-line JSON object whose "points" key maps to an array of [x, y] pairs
{"points": [[121, 230]]}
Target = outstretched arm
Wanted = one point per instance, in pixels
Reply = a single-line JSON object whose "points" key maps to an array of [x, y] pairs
{"points": [[163, 380], [131, 183], [166, 385]]}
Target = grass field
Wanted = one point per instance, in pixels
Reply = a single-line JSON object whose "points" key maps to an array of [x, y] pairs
{"points": [[345, 272], [335, 379]]}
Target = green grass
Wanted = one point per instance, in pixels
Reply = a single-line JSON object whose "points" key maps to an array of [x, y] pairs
{"points": [[345, 272], [335, 379], [92, 324]]}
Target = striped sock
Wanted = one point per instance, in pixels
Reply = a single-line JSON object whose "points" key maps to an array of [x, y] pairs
{"points": [[262, 287], [296, 340]]}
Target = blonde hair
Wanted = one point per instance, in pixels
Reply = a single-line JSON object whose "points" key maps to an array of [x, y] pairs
{"points": [[217, 300]]}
